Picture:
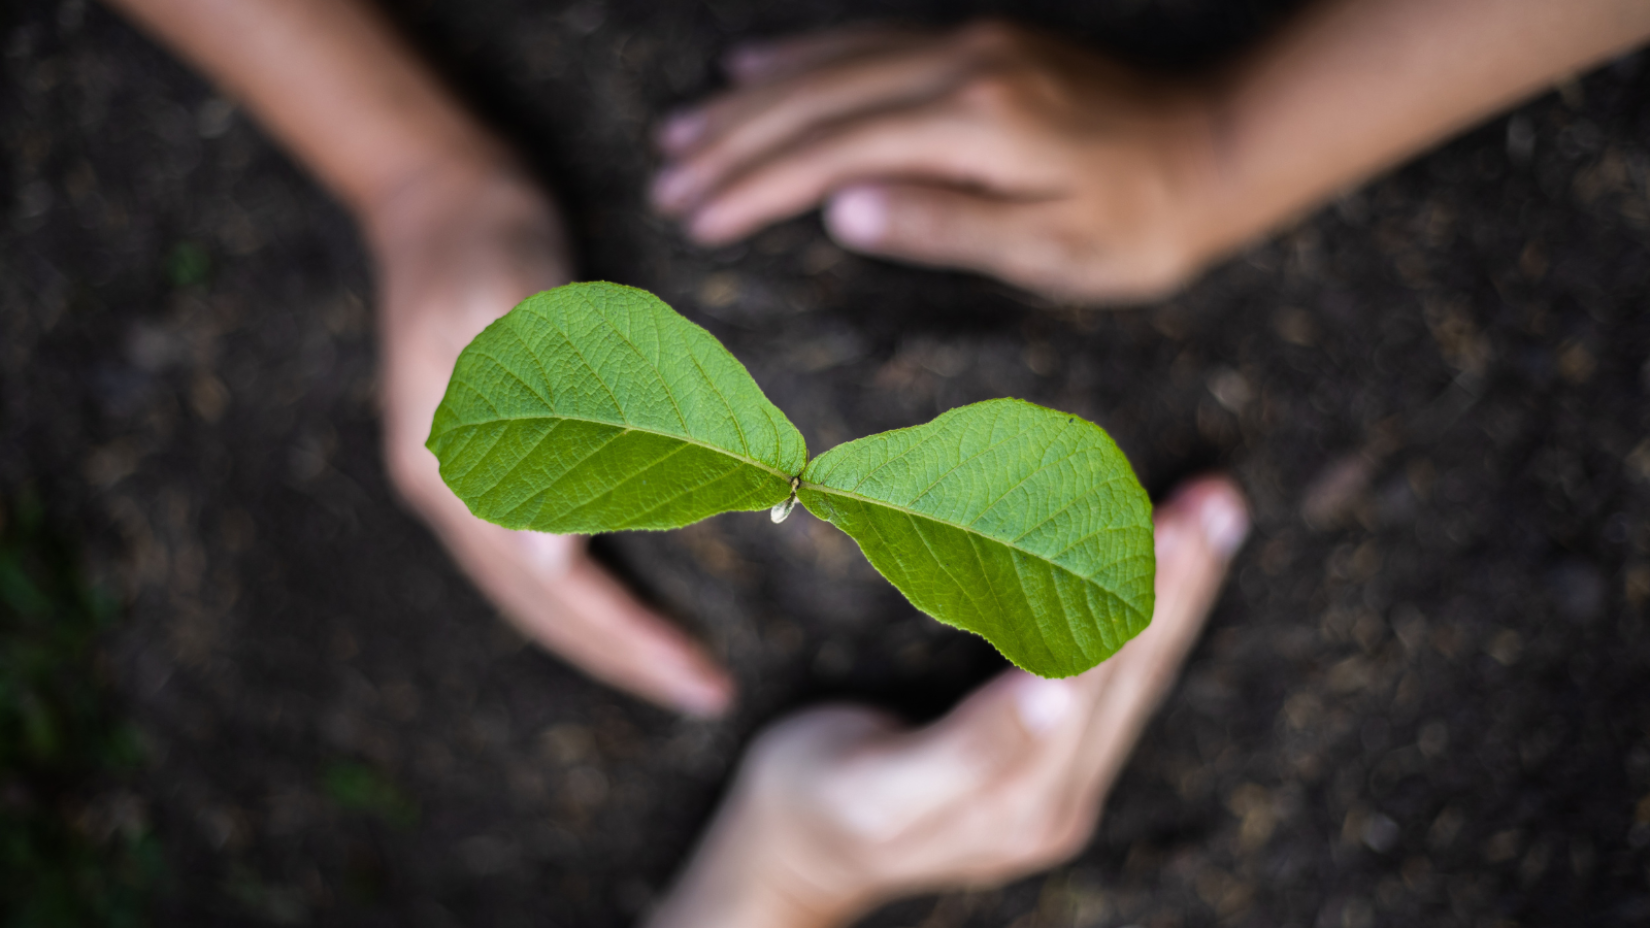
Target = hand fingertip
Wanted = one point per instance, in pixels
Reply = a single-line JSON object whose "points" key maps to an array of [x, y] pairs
{"points": [[1223, 516], [706, 701], [1041, 703], [746, 61], [858, 216], [680, 130], [672, 188], [1225, 521], [692, 682], [1210, 509], [710, 226]]}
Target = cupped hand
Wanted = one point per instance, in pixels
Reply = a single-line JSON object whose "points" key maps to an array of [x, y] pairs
{"points": [[990, 148], [839, 809], [456, 250]]}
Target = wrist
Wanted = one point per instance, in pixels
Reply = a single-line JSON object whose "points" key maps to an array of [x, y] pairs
{"points": [[1217, 214], [452, 184], [742, 877], [481, 226]]}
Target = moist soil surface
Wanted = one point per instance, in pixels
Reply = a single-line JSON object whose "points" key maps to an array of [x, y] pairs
{"points": [[1422, 698]]}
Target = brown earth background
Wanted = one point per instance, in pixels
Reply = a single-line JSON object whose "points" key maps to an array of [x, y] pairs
{"points": [[1423, 698]]}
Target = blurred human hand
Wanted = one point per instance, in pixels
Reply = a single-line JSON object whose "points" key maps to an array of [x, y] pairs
{"points": [[839, 809], [992, 148], [455, 250]]}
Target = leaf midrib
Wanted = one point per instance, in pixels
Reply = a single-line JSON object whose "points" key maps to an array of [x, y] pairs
{"points": [[918, 514], [625, 427]]}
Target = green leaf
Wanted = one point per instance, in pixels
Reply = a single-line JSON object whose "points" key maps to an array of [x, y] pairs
{"points": [[595, 407], [1020, 523]]}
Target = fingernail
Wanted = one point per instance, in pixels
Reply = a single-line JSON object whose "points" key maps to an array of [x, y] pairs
{"points": [[858, 215], [672, 188], [703, 699], [1225, 523], [746, 60], [1042, 703], [681, 130], [705, 225]]}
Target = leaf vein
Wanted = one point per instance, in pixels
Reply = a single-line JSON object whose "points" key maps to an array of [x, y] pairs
{"points": [[643, 429], [652, 365], [569, 471], [744, 441], [1042, 622], [827, 491], [525, 457], [595, 375], [674, 499], [1061, 511], [968, 460], [527, 347], [611, 488]]}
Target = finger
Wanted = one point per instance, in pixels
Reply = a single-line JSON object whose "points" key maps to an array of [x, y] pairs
{"points": [[633, 647], [1003, 798], [913, 776], [569, 605], [746, 126], [770, 59], [1198, 532], [946, 227], [935, 144], [1057, 793]]}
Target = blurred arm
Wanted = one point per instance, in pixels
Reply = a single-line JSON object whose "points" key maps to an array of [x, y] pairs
{"points": [[459, 235], [331, 80], [1352, 87], [1015, 153]]}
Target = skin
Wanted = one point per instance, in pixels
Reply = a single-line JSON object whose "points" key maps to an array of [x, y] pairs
{"points": [[1016, 154], [839, 809], [992, 148], [459, 235]]}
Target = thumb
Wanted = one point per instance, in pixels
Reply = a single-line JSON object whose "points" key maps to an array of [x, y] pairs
{"points": [[550, 589], [940, 767], [632, 647], [935, 225]]}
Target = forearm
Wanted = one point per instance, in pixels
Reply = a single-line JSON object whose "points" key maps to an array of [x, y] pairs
{"points": [[734, 880], [331, 81], [1355, 86]]}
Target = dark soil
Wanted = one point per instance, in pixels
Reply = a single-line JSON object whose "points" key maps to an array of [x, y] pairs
{"points": [[1423, 699]]}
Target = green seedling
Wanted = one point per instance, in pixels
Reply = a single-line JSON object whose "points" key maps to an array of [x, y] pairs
{"points": [[595, 407]]}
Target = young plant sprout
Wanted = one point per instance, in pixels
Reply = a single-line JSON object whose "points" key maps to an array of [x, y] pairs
{"points": [[595, 407]]}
